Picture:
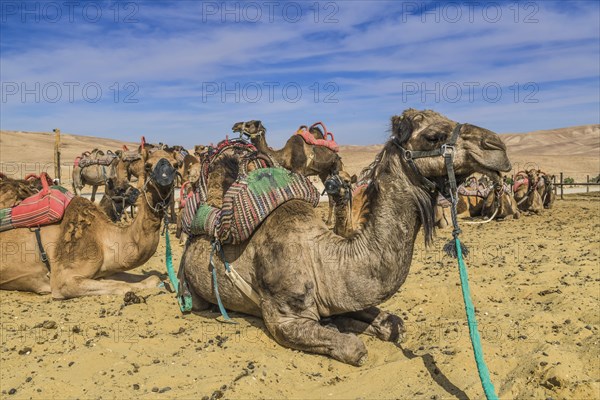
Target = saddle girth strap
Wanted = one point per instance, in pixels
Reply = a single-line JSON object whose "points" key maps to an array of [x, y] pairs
{"points": [[43, 255]]}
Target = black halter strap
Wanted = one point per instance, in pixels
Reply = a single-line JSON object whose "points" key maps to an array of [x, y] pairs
{"points": [[446, 150]]}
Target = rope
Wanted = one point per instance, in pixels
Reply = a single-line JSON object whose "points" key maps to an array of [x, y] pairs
{"points": [[484, 374], [184, 300]]}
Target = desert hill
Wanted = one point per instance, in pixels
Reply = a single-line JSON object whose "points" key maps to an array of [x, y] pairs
{"points": [[575, 151]]}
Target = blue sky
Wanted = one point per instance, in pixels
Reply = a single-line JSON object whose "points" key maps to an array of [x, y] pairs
{"points": [[183, 72]]}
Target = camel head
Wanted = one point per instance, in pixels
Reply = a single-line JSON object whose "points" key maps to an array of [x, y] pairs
{"points": [[251, 129], [339, 185], [200, 150], [160, 169], [476, 149]]}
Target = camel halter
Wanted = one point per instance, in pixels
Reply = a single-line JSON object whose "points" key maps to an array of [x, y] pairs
{"points": [[453, 247]]}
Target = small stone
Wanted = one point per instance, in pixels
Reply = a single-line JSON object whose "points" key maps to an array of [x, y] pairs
{"points": [[136, 386], [12, 391], [588, 327], [29, 378], [155, 389], [49, 325], [543, 363], [156, 361], [25, 351], [165, 389], [544, 353], [71, 363]]}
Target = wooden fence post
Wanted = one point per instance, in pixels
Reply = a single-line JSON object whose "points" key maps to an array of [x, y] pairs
{"points": [[57, 153], [587, 188], [561, 186]]}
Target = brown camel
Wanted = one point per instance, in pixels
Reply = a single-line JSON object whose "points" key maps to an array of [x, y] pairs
{"points": [[86, 245], [118, 196], [471, 195], [545, 188], [95, 174], [297, 155], [526, 194], [318, 289], [13, 191], [500, 204]]}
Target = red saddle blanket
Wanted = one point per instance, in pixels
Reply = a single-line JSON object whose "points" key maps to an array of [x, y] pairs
{"points": [[310, 139], [44, 208]]}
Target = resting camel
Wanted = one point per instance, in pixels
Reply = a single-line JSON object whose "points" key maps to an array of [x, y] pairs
{"points": [[94, 175], [500, 204], [13, 191], [546, 189], [86, 246], [317, 289], [526, 194], [471, 195], [297, 155]]}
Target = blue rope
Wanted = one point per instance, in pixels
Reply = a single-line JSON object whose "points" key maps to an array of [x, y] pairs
{"points": [[484, 374], [185, 301], [215, 245]]}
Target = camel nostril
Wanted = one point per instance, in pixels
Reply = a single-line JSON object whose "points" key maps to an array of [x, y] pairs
{"points": [[493, 143]]}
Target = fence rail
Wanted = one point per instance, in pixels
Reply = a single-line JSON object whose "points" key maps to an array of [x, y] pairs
{"points": [[562, 184]]}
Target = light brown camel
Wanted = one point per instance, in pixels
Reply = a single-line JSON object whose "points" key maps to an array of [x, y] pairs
{"points": [[526, 194], [500, 204], [96, 174], [471, 195], [297, 155], [13, 191], [316, 288], [86, 246]]}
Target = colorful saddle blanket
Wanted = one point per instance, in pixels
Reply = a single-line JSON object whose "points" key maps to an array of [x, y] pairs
{"points": [[44, 208], [249, 201], [479, 191]]}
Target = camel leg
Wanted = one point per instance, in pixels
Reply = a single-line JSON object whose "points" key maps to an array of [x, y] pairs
{"points": [[306, 334], [371, 321], [94, 188], [37, 282], [66, 286]]}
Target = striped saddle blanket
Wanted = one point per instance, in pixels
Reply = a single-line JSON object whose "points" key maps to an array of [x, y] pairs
{"points": [[131, 155], [44, 208], [248, 202]]}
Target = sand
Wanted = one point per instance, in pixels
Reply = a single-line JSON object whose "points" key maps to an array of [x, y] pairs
{"points": [[535, 283]]}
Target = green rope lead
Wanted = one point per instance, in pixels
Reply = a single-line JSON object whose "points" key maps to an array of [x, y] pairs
{"points": [[484, 374], [185, 302]]}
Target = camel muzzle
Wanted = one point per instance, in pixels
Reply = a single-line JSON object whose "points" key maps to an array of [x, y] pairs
{"points": [[163, 173]]}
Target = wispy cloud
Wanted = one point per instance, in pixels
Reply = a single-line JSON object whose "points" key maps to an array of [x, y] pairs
{"points": [[185, 71]]}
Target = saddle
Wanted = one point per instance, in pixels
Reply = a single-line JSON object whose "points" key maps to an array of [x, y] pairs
{"points": [[248, 202], [43, 208], [310, 139], [96, 157]]}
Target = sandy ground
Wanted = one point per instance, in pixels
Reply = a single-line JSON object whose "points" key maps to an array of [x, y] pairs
{"points": [[535, 283]]}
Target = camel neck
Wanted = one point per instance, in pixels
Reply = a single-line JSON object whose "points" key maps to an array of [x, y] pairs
{"points": [[379, 255]]}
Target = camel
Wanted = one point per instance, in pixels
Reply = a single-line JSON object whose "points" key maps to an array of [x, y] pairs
{"points": [[500, 204], [118, 196], [546, 189], [86, 246], [297, 155], [96, 174], [13, 191], [317, 289], [526, 194], [471, 195]]}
